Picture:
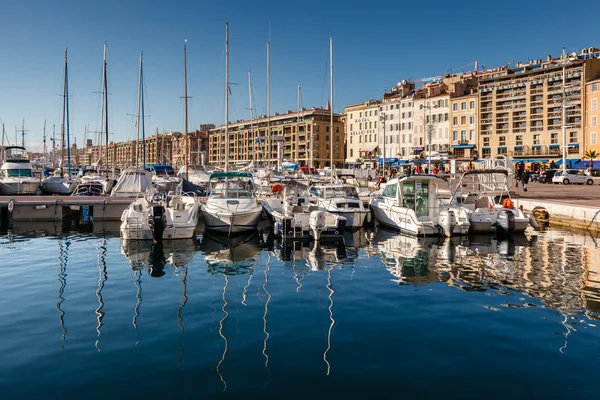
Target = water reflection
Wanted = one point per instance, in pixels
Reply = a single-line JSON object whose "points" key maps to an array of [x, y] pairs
{"points": [[63, 258], [233, 255], [101, 283], [144, 254]]}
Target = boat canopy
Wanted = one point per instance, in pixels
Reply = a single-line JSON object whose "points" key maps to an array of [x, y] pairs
{"points": [[133, 181], [159, 167], [220, 175]]}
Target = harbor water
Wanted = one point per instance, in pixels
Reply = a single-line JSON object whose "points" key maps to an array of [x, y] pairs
{"points": [[85, 315]]}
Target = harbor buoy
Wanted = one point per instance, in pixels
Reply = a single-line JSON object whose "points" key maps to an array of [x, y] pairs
{"points": [[532, 221], [277, 188], [11, 205]]}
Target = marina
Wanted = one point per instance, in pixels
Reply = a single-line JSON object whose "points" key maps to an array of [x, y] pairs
{"points": [[251, 314]]}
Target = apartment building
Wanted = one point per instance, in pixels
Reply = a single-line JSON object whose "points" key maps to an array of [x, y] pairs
{"points": [[592, 111], [397, 111], [520, 112], [361, 128], [463, 119], [303, 137], [432, 120]]}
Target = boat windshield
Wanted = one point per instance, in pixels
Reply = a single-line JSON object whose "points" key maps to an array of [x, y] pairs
{"points": [[166, 173], [11, 173], [343, 191], [231, 194]]}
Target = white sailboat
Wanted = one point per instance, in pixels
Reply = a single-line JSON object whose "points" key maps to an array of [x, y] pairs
{"points": [[60, 183], [231, 206]]}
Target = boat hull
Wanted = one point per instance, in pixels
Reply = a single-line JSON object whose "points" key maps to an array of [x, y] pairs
{"points": [[58, 187], [19, 187], [354, 219], [132, 231], [231, 222], [394, 218]]}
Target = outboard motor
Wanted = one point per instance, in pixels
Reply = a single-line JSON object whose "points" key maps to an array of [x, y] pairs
{"points": [[317, 223], [447, 222], [505, 222], [157, 221]]}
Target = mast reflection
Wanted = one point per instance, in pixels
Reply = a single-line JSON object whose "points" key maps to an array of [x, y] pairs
{"points": [[101, 283], [63, 258]]}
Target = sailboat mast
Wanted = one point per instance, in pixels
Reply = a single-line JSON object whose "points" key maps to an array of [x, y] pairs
{"points": [[44, 152], [3, 133], [331, 105], [143, 115], [227, 96], [62, 127], [269, 143], [137, 138], [66, 116], [187, 144], [105, 108], [251, 117], [298, 121], [53, 143]]}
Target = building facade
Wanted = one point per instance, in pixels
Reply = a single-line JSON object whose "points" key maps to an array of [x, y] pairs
{"points": [[303, 137], [463, 119], [361, 130], [592, 120], [521, 108]]}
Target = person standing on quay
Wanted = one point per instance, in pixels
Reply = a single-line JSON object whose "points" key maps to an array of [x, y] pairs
{"points": [[525, 179]]}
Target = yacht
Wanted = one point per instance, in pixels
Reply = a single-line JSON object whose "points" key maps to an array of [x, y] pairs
{"points": [[93, 183], [16, 173], [164, 178], [485, 197], [343, 200], [59, 184], [413, 205], [231, 206], [159, 217], [294, 217]]}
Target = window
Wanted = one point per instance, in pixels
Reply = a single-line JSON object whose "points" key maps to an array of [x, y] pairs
{"points": [[350, 139], [351, 128], [536, 138], [594, 104], [370, 124], [572, 137], [359, 127], [554, 138], [375, 137], [593, 138], [519, 140], [463, 135], [409, 114], [472, 105], [455, 107], [360, 115], [463, 120], [594, 87], [486, 141], [594, 121], [370, 113], [454, 121], [403, 115], [350, 115], [454, 135], [463, 105], [472, 134], [502, 140], [410, 125], [351, 152], [472, 120]]}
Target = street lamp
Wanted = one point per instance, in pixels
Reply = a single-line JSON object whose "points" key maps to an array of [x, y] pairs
{"points": [[429, 127], [382, 117]]}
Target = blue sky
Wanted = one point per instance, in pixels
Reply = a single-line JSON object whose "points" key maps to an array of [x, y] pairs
{"points": [[375, 45]]}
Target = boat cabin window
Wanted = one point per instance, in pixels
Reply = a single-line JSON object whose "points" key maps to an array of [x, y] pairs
{"points": [[415, 195], [231, 194], [18, 172], [390, 190], [342, 191]]}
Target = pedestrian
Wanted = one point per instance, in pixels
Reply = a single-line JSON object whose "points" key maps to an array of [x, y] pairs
{"points": [[525, 179], [435, 170], [517, 177]]}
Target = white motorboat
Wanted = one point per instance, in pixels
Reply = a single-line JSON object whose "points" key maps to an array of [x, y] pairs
{"points": [[485, 196], [159, 217], [413, 205], [90, 177], [342, 200], [59, 184], [294, 217], [133, 182], [164, 178], [16, 173], [231, 206]]}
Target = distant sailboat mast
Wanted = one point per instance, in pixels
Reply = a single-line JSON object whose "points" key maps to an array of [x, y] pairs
{"points": [[140, 117], [226, 96], [187, 145], [105, 108], [253, 136], [269, 141], [65, 122], [331, 136]]}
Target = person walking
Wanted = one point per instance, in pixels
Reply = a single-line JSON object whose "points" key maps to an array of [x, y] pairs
{"points": [[525, 179]]}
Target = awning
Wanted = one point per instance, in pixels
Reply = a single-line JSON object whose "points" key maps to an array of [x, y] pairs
{"points": [[530, 161], [536, 147], [501, 147], [350, 160], [387, 160], [584, 164], [554, 146], [485, 148], [368, 150], [573, 144], [462, 146], [518, 147], [419, 148], [570, 161]]}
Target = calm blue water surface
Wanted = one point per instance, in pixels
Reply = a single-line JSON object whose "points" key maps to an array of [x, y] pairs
{"points": [[85, 315]]}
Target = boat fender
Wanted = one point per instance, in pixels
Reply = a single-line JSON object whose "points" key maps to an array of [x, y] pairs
{"points": [[277, 188], [533, 222], [276, 228], [369, 218], [11, 205]]}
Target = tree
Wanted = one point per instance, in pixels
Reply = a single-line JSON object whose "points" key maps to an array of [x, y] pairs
{"points": [[592, 155]]}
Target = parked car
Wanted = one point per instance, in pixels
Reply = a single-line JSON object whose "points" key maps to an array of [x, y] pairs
{"points": [[572, 176], [546, 176]]}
